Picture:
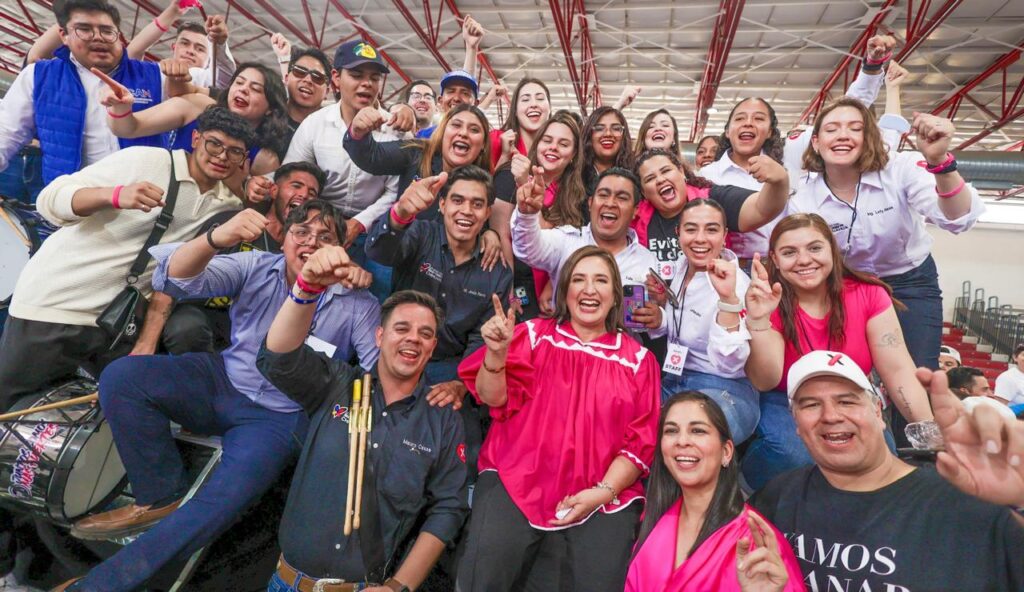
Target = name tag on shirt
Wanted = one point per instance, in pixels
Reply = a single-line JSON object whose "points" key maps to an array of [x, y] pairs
{"points": [[675, 359], [321, 346], [667, 270]]}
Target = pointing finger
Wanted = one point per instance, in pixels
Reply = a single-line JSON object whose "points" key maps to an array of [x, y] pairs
{"points": [[113, 84]]}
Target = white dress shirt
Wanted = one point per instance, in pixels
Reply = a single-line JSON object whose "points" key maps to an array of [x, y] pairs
{"points": [[888, 235], [712, 349], [547, 249], [726, 172], [357, 193]]}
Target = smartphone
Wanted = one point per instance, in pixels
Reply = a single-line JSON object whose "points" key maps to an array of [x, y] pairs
{"points": [[634, 296], [673, 300]]}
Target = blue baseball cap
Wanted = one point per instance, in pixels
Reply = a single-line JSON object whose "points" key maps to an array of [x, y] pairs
{"points": [[355, 53], [461, 77]]}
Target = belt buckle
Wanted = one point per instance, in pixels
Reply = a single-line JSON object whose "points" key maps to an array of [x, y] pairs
{"points": [[321, 584]]}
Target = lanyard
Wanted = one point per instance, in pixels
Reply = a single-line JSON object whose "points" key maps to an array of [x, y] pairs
{"points": [[853, 208], [677, 320]]}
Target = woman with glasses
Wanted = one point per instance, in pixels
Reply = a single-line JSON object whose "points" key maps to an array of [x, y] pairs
{"points": [[606, 144], [255, 92], [877, 201], [808, 298], [574, 403], [697, 534]]}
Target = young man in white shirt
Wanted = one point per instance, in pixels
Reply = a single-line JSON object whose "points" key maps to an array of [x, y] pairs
{"points": [[57, 101], [361, 197], [106, 212], [1010, 384], [612, 208]]}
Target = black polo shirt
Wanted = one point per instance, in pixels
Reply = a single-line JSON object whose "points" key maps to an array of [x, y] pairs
{"points": [[417, 453], [422, 261]]}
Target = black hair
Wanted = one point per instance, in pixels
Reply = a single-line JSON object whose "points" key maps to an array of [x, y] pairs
{"points": [[284, 170], [222, 119], [1018, 349], [410, 297], [772, 146], [272, 133], [616, 171], [326, 213], [471, 172], [314, 53], [689, 174], [415, 83], [193, 26], [663, 491], [962, 377], [701, 201], [623, 159], [63, 13]]}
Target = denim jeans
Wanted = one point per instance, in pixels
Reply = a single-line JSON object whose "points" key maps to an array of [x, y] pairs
{"points": [[381, 286], [140, 395], [921, 322], [737, 398]]}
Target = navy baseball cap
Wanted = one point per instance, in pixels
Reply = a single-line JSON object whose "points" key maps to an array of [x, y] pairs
{"points": [[461, 76], [353, 54]]}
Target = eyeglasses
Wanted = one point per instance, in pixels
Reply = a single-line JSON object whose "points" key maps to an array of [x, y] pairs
{"points": [[314, 75], [415, 96], [215, 147], [615, 128], [302, 236], [88, 33]]}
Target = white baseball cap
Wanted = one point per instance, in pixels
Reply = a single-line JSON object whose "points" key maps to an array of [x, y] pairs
{"points": [[826, 363], [945, 350]]}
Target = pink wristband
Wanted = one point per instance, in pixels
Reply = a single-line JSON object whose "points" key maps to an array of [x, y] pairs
{"points": [[115, 199], [163, 29], [116, 116], [939, 167], [308, 288], [399, 219], [958, 189], [879, 61]]}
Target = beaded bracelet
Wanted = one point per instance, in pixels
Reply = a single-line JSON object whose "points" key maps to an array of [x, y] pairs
{"points": [[298, 300]]}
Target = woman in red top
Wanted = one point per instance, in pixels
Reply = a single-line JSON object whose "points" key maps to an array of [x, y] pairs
{"points": [[807, 299], [574, 401], [530, 108]]}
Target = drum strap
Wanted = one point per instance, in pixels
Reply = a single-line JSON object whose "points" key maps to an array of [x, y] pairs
{"points": [[163, 221], [17, 229]]}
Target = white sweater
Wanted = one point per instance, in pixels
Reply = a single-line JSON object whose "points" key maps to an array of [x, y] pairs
{"points": [[82, 266]]}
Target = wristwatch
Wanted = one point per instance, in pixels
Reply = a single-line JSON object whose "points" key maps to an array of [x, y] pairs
{"points": [[396, 586]]}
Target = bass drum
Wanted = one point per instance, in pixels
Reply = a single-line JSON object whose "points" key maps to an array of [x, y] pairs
{"points": [[22, 232], [60, 463]]}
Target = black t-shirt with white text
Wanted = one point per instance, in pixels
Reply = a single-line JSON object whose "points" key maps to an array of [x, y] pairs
{"points": [[919, 534]]}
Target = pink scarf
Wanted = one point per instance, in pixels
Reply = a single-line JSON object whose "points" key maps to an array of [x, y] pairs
{"points": [[711, 567]]}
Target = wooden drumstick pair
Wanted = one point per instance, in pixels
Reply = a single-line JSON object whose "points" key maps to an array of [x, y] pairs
{"points": [[360, 423]]}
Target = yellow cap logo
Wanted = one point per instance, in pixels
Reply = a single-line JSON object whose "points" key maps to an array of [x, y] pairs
{"points": [[365, 51]]}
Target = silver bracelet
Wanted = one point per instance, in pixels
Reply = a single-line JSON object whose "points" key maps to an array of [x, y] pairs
{"points": [[603, 485], [726, 307]]}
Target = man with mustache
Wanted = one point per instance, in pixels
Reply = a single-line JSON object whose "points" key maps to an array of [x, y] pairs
{"points": [[57, 100]]}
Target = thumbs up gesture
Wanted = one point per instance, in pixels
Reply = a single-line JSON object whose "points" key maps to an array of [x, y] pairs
{"points": [[419, 196]]}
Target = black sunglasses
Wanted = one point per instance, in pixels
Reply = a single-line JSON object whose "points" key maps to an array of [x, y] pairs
{"points": [[315, 76]]}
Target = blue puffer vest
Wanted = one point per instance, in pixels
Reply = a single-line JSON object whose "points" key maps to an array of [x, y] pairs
{"points": [[60, 103]]}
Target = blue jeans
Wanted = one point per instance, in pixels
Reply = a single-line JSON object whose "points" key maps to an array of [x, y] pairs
{"points": [[381, 286], [777, 448], [140, 395], [737, 398], [921, 322]]}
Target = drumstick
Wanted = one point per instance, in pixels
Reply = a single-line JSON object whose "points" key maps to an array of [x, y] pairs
{"points": [[353, 435], [17, 229], [50, 406], [364, 431]]}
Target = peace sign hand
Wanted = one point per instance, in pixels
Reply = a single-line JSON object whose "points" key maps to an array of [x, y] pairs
{"points": [[530, 196], [763, 297], [114, 96], [497, 331], [760, 569]]}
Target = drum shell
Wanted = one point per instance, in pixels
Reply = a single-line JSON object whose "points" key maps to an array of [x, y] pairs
{"points": [[51, 470]]}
